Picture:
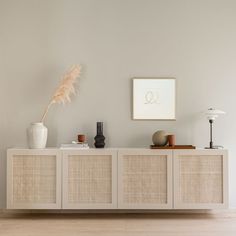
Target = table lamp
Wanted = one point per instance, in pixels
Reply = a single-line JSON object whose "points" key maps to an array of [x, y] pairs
{"points": [[211, 115]]}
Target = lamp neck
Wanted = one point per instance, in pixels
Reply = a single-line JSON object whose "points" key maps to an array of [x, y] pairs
{"points": [[211, 142]]}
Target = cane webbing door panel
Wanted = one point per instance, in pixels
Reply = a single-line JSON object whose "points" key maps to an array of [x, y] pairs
{"points": [[144, 179], [33, 179], [90, 179], [200, 179]]}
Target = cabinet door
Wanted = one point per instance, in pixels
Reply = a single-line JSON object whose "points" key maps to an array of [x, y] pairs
{"points": [[145, 179], [200, 179], [33, 179], [89, 179]]}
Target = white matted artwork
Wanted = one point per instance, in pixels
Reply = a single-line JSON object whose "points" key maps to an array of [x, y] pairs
{"points": [[154, 98]]}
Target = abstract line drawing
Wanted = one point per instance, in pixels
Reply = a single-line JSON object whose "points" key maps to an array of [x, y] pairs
{"points": [[152, 97]]}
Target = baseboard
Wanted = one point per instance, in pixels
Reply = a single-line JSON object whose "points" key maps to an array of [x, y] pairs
{"points": [[221, 211]]}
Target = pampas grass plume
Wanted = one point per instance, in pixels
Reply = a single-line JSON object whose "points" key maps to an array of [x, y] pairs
{"points": [[65, 89]]}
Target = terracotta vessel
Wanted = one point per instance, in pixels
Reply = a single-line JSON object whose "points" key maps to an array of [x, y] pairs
{"points": [[171, 140], [81, 138]]}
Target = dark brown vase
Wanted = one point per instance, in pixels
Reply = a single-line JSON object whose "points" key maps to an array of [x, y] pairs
{"points": [[99, 138]]}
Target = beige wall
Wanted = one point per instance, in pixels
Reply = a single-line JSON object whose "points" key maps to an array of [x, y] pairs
{"points": [[115, 40]]}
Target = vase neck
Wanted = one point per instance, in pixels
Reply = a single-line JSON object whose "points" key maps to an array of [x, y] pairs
{"points": [[37, 123], [99, 128]]}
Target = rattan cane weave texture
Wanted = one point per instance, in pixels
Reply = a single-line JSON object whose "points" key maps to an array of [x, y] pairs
{"points": [[90, 179], [144, 179], [201, 179], [34, 179]]}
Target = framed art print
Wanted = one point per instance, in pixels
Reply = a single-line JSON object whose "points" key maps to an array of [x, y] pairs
{"points": [[154, 98]]}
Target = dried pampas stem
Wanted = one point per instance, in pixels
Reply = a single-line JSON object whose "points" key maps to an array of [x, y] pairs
{"points": [[65, 89]]}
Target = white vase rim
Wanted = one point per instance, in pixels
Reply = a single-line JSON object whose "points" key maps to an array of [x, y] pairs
{"points": [[37, 123]]}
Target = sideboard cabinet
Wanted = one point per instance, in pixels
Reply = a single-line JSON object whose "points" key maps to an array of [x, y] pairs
{"points": [[117, 179]]}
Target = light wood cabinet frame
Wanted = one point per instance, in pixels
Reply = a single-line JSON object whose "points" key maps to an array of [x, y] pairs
{"points": [[93, 152], [24, 153], [140, 153], [178, 203]]}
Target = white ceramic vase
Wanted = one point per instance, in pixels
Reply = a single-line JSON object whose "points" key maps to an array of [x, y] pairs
{"points": [[37, 135]]}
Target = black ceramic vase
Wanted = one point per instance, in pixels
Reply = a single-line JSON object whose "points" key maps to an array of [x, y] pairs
{"points": [[99, 138]]}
